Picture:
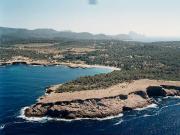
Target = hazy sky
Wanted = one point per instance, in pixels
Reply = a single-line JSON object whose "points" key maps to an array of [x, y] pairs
{"points": [[151, 17]]}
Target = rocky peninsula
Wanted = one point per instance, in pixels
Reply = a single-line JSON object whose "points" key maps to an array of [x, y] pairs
{"points": [[102, 103]]}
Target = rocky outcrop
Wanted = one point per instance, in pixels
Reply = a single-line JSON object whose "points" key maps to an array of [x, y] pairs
{"points": [[154, 91], [163, 90], [100, 107], [90, 108]]}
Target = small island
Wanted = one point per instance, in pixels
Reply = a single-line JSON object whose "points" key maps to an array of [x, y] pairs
{"points": [[101, 103]]}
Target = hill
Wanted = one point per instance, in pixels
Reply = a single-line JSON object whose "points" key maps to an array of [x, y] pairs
{"points": [[16, 35]]}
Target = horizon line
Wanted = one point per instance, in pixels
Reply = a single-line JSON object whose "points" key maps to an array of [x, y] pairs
{"points": [[138, 33]]}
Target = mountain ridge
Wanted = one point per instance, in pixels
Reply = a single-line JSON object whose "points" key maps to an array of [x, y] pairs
{"points": [[23, 35], [51, 34]]}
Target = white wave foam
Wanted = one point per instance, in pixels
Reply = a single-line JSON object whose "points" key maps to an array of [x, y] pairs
{"points": [[44, 119], [79, 119], [147, 115], [36, 65], [2, 126], [176, 97], [119, 122], [172, 97], [147, 107], [159, 99], [33, 119]]}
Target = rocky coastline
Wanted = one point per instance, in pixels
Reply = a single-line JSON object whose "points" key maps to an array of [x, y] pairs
{"points": [[102, 103]]}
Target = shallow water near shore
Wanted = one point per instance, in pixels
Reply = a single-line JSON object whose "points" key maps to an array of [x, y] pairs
{"points": [[21, 85]]}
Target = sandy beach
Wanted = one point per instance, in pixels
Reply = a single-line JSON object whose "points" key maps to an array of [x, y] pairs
{"points": [[28, 61]]}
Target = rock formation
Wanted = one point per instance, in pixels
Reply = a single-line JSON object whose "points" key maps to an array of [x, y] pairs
{"points": [[96, 107]]}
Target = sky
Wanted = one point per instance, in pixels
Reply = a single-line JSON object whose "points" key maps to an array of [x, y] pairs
{"points": [[149, 17]]}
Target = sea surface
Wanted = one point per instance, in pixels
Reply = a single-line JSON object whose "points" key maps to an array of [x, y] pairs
{"points": [[21, 85]]}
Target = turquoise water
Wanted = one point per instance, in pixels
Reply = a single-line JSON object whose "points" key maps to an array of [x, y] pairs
{"points": [[21, 85]]}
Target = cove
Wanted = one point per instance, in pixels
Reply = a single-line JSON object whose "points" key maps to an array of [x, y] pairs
{"points": [[21, 85]]}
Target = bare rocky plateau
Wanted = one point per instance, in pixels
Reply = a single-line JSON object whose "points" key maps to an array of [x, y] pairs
{"points": [[103, 102]]}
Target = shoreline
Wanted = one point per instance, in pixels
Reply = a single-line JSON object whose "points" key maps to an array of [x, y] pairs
{"points": [[102, 103], [39, 119], [23, 116], [46, 63]]}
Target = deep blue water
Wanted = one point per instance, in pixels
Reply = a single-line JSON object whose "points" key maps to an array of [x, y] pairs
{"points": [[21, 85]]}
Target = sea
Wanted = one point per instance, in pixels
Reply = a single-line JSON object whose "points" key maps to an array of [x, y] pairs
{"points": [[21, 85]]}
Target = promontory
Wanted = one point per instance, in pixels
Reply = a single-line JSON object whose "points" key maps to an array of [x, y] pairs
{"points": [[100, 103]]}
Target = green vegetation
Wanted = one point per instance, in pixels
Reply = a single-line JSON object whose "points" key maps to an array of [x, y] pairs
{"points": [[115, 77], [7, 53], [158, 60]]}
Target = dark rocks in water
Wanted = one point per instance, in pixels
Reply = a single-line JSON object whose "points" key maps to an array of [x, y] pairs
{"points": [[155, 91], [126, 108], [163, 90], [17, 63], [4, 64], [36, 64]]}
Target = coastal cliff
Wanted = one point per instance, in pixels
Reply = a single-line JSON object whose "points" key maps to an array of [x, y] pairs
{"points": [[103, 102]]}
